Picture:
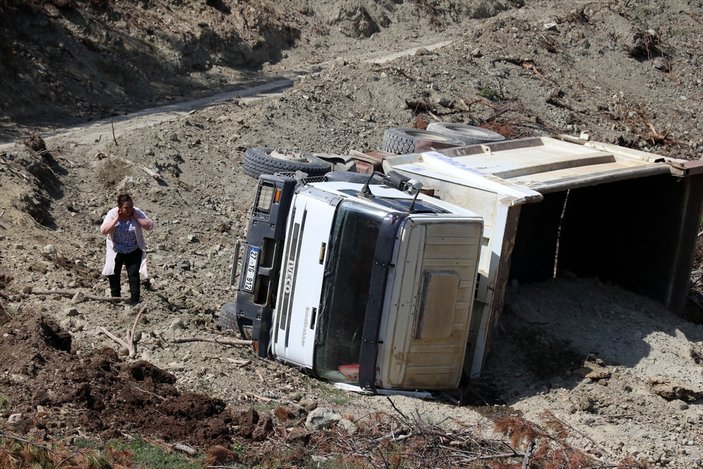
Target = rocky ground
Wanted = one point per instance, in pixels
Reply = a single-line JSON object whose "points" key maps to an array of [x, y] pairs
{"points": [[603, 371]]}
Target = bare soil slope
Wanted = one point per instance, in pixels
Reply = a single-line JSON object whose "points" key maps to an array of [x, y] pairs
{"points": [[617, 374]]}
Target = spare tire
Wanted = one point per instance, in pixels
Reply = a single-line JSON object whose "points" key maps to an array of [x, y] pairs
{"points": [[262, 160], [469, 134], [401, 141]]}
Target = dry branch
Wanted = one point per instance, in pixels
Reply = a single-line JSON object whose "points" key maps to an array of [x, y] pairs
{"points": [[129, 342], [238, 362], [257, 397], [396, 70], [550, 416], [216, 341], [14, 171], [23, 440], [72, 293], [115, 338], [114, 138], [405, 419], [154, 175], [528, 454]]}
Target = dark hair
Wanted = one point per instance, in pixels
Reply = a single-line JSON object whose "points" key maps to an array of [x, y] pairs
{"points": [[122, 198]]}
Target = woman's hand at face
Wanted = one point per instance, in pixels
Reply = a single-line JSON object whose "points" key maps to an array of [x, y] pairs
{"points": [[125, 212]]}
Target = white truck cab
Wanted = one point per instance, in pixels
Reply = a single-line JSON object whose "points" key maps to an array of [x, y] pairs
{"points": [[375, 284]]}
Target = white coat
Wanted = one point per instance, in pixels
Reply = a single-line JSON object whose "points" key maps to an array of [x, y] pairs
{"points": [[110, 253]]}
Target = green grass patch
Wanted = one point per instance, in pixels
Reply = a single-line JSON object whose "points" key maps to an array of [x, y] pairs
{"points": [[4, 402], [149, 456], [205, 386], [332, 394], [338, 396], [85, 443], [489, 93]]}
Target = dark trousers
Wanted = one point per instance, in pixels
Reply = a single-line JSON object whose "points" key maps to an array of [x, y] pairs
{"points": [[132, 261]]}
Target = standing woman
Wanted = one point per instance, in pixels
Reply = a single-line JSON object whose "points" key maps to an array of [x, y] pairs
{"points": [[125, 244]]}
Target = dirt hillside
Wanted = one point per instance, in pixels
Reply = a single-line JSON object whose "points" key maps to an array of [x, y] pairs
{"points": [[601, 377]]}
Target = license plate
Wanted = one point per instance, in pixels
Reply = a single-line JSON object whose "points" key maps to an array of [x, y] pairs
{"points": [[250, 270]]}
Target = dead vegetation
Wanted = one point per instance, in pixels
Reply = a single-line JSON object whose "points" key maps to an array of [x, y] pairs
{"points": [[17, 452], [646, 45]]}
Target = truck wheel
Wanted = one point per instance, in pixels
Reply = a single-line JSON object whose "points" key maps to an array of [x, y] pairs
{"points": [[469, 134], [261, 160], [401, 141]]}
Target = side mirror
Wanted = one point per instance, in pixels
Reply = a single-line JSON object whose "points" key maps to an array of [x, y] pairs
{"points": [[402, 183]]}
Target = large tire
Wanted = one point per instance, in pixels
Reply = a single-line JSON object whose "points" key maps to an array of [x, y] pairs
{"points": [[469, 134], [402, 141], [262, 160]]}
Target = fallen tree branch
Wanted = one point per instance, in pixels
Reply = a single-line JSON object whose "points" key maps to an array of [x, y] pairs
{"points": [[128, 342], [494, 456], [114, 337], [238, 362], [396, 70], [183, 340], [257, 397], [154, 175], [405, 418], [14, 171], [112, 125], [23, 440], [72, 293], [528, 454]]}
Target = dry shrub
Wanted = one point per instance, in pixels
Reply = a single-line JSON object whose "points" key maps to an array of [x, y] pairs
{"points": [[35, 143], [432, 10], [645, 46], [16, 453], [549, 447], [506, 129], [420, 122]]}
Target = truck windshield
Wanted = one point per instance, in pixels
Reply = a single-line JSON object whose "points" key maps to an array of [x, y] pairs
{"points": [[346, 291]]}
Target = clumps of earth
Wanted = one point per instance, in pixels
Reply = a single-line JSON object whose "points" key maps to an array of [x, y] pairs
{"points": [[580, 368]]}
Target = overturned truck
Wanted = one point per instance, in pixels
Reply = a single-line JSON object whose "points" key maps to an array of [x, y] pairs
{"points": [[528, 209]]}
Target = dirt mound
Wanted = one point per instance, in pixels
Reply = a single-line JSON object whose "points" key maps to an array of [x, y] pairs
{"points": [[107, 396]]}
